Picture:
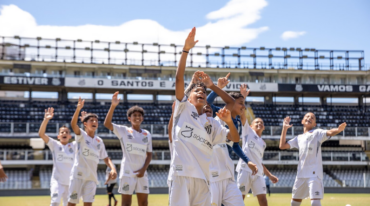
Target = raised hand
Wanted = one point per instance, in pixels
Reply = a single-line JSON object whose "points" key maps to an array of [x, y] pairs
{"points": [[115, 99], [244, 90], [286, 122], [342, 127], [189, 42], [253, 167], [49, 113], [274, 179], [196, 77], [223, 81], [83, 114], [206, 79], [112, 176], [224, 115], [80, 103]]}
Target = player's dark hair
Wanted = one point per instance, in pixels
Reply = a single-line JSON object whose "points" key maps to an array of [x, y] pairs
{"points": [[194, 85], [135, 109], [88, 116], [311, 113], [236, 95], [64, 127]]}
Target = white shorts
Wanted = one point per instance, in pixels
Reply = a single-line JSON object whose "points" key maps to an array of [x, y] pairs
{"points": [[58, 192], [81, 188], [247, 181], [128, 185], [308, 187], [226, 192], [189, 191]]}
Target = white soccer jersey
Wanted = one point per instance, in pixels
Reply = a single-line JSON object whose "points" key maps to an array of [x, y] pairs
{"points": [[254, 147], [193, 142], [89, 151], [63, 158], [310, 159], [134, 146], [221, 167], [107, 172]]}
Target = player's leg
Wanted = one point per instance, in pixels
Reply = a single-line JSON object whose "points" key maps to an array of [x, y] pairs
{"points": [[55, 193], [109, 195], [142, 190], [268, 189], [232, 195], [64, 195], [216, 192], [200, 195], [316, 191], [300, 191], [296, 202], [88, 192], [244, 182], [112, 194], [179, 191], [127, 187], [259, 189], [74, 191]]}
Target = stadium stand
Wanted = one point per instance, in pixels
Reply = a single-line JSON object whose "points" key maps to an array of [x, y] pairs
{"points": [[17, 179]]}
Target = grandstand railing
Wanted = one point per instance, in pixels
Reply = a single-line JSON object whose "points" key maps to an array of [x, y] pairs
{"points": [[28, 129], [134, 53], [30, 155]]}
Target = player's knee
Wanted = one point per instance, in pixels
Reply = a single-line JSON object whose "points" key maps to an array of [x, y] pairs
{"points": [[143, 202], [315, 203], [295, 202]]}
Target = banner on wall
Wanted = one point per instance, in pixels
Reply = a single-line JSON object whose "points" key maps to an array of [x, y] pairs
{"points": [[341, 88], [24, 80], [155, 84]]}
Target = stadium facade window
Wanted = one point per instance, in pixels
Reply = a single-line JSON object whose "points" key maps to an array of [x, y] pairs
{"points": [[107, 96], [77, 73], [311, 79], [139, 97], [76, 95], [360, 80], [44, 95], [338, 100], [14, 94], [6, 71], [309, 99], [342, 80], [283, 99], [284, 80], [298, 80], [165, 97], [255, 99]]}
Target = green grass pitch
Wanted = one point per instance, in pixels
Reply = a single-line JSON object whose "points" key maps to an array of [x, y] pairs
{"points": [[162, 200]]}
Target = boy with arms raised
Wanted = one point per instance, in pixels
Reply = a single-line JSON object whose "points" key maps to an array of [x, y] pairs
{"points": [[63, 154], [253, 147], [191, 137], [136, 145], [90, 148], [309, 180]]}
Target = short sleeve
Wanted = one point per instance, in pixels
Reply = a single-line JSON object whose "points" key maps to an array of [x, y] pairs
{"points": [[103, 153], [119, 130], [180, 105], [321, 135], [52, 144], [293, 143], [149, 147], [80, 137], [219, 133]]}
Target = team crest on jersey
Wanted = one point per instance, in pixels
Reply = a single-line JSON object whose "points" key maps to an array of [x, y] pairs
{"points": [[145, 139], [130, 136], [242, 188], [144, 133], [87, 142], [208, 128], [98, 140], [60, 148], [251, 144], [130, 131], [194, 115], [188, 132], [71, 150]]}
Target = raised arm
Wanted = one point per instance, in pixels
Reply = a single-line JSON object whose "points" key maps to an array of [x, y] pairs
{"points": [[49, 114], [273, 178], [189, 44], [74, 125], [113, 172], [225, 96], [225, 115], [170, 123], [283, 144], [336, 131], [108, 119], [141, 172]]}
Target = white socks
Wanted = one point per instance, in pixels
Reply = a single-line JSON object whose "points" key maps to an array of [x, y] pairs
{"points": [[315, 203], [54, 204], [294, 203]]}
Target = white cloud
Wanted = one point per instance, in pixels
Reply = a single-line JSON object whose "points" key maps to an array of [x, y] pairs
{"points": [[226, 26], [292, 34]]}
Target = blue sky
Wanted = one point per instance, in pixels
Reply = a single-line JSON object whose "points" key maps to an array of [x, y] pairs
{"points": [[329, 24]]}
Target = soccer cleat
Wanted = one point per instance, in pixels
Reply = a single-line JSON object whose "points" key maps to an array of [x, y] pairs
{"points": [[115, 203]]}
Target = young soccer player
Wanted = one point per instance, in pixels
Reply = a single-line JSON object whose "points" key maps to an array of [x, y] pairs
{"points": [[309, 180], [110, 185], [192, 140], [63, 154], [90, 148], [136, 145], [253, 147]]}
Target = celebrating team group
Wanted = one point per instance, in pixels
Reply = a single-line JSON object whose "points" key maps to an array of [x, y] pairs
{"points": [[201, 171]]}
